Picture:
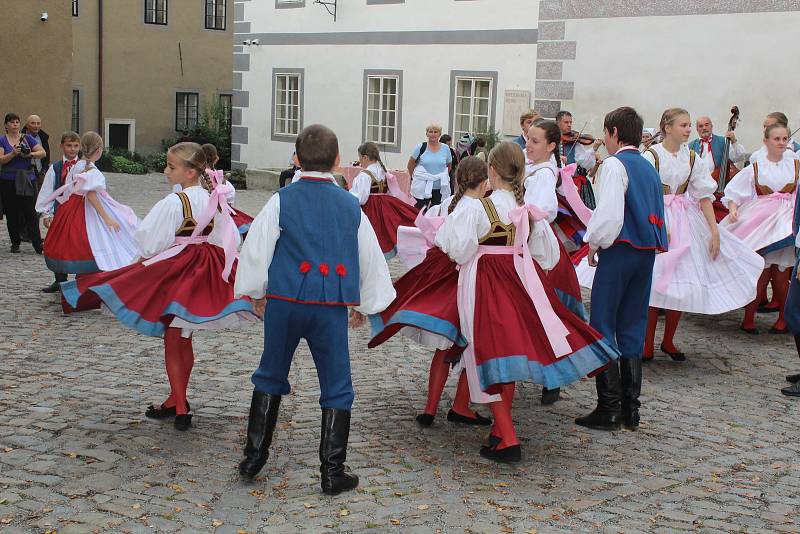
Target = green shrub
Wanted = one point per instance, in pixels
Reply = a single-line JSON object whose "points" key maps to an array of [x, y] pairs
{"points": [[156, 161], [124, 165], [212, 127]]}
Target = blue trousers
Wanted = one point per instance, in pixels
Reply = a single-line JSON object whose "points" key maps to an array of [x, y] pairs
{"points": [[620, 297], [792, 306], [325, 330]]}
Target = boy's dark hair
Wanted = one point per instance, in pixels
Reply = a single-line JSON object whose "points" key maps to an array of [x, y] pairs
{"points": [[446, 138], [70, 136], [480, 141], [10, 117], [628, 123], [317, 148], [561, 114]]}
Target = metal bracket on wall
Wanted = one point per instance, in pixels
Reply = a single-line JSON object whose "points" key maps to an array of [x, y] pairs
{"points": [[329, 5]]}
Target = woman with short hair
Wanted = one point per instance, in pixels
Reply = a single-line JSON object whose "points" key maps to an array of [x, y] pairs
{"points": [[18, 182], [429, 167]]}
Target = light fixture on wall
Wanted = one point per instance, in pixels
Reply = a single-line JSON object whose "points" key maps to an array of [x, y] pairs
{"points": [[255, 42], [246, 42], [44, 16], [329, 5]]}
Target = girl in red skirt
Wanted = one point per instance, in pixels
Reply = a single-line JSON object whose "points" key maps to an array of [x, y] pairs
{"points": [[381, 199], [426, 306], [515, 325], [185, 284], [91, 231]]}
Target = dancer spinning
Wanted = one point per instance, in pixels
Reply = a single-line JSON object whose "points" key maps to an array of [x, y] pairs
{"points": [[187, 282], [381, 199], [426, 306], [90, 231], [516, 327], [706, 270], [761, 200]]}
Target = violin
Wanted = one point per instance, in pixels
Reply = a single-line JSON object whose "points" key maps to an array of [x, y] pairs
{"points": [[577, 137], [727, 169]]}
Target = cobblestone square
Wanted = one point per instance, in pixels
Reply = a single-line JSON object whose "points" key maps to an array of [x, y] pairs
{"points": [[717, 450]]}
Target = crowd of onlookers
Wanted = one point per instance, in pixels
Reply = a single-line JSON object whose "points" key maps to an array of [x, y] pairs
{"points": [[24, 159]]}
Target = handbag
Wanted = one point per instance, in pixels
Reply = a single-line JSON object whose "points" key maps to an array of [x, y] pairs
{"points": [[24, 185]]}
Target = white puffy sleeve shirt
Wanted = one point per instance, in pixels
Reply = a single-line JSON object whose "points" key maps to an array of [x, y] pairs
{"points": [[674, 171], [458, 237], [362, 184], [609, 214], [540, 188], [156, 232], [377, 291], [742, 187], [48, 186]]}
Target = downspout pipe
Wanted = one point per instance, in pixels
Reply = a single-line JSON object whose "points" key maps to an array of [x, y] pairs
{"points": [[100, 125]]}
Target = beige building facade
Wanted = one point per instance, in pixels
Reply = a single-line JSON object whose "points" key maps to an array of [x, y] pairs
{"points": [[135, 71]]}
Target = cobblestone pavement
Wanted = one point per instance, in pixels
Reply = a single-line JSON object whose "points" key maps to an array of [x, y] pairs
{"points": [[717, 450]]}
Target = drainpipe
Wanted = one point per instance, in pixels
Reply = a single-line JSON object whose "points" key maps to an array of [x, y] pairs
{"points": [[100, 125]]}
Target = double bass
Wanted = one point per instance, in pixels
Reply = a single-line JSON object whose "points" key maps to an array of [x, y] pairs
{"points": [[727, 169]]}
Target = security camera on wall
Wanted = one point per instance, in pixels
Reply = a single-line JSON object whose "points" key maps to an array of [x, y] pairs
{"points": [[256, 42], [246, 42], [44, 16]]}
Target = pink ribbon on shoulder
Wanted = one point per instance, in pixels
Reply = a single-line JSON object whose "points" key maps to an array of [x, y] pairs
{"points": [[396, 192], [571, 194], [226, 230], [523, 263], [429, 226], [63, 193]]}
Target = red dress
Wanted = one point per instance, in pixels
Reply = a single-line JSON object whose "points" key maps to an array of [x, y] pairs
{"points": [[68, 249], [187, 286], [241, 220], [386, 214]]}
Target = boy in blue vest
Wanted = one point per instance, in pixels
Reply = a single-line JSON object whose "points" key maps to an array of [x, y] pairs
{"points": [[627, 228], [53, 179], [311, 252]]}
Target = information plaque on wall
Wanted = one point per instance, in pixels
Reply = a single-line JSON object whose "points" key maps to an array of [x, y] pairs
{"points": [[515, 103]]}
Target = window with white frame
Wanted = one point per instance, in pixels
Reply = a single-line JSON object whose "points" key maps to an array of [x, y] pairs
{"points": [[382, 109], [155, 11], [186, 111], [286, 103], [215, 14], [472, 105]]}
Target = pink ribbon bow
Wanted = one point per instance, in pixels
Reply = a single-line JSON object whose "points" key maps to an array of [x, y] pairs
{"points": [[571, 194], [429, 226], [63, 193], [553, 326]]}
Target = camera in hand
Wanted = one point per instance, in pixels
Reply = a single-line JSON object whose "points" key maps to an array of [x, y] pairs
{"points": [[24, 148]]}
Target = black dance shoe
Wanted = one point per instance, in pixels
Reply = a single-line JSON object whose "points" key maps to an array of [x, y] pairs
{"points": [[774, 330], [183, 422], [54, 288], [509, 455], [163, 413], [792, 391], [478, 420], [550, 396], [674, 356], [14, 249], [426, 419], [751, 331], [793, 378]]}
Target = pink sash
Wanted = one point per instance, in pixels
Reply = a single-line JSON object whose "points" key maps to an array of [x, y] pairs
{"points": [[396, 192], [766, 207], [676, 207], [571, 194]]}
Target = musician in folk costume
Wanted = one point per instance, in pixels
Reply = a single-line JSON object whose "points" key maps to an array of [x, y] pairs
{"points": [[710, 147]]}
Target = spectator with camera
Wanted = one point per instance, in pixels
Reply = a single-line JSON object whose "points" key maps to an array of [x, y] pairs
{"points": [[33, 127], [18, 182]]}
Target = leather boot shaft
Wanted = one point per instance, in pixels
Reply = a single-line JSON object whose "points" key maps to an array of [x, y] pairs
{"points": [[260, 427], [631, 379], [335, 476]]}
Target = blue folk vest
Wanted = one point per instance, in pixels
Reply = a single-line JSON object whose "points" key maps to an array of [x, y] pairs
{"points": [[717, 149], [643, 226], [316, 256], [58, 167]]}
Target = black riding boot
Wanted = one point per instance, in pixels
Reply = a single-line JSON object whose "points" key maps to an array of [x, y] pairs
{"points": [[607, 415], [260, 426], [336, 477], [631, 378]]}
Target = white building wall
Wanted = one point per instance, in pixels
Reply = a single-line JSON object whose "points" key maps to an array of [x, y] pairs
{"points": [[704, 63], [334, 73]]}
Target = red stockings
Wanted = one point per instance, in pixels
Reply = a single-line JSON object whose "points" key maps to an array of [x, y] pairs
{"points": [[437, 377], [179, 360], [503, 426]]}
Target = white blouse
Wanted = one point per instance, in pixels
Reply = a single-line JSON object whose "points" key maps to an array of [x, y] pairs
{"points": [[156, 233], [48, 186], [761, 153], [674, 170], [363, 183], [776, 176], [440, 210], [256, 256], [458, 237], [609, 214], [540, 187]]}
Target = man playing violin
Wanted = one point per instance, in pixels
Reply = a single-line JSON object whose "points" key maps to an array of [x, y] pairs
{"points": [[711, 147], [576, 147]]}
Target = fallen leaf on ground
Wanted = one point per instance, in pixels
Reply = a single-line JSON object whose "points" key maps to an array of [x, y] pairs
{"points": [[216, 522]]}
